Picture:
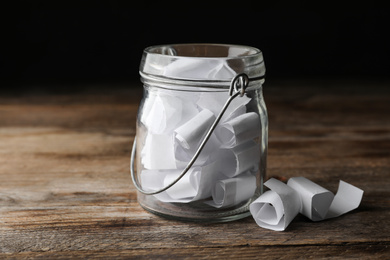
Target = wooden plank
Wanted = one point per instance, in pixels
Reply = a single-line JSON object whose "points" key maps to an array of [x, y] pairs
{"points": [[65, 190], [129, 227], [344, 251]]}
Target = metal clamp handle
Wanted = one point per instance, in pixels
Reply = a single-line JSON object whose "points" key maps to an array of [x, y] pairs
{"points": [[237, 87]]}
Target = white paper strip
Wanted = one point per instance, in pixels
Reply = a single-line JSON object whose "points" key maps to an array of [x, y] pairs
{"points": [[152, 180], [275, 209], [209, 153], [348, 197], [183, 189], [199, 69], [230, 192], [239, 159], [155, 179], [189, 107], [147, 107], [158, 152], [218, 100], [195, 185], [319, 203], [162, 113], [190, 134], [314, 201], [239, 129]]}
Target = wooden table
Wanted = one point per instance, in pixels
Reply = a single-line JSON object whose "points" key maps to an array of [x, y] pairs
{"points": [[65, 188]]}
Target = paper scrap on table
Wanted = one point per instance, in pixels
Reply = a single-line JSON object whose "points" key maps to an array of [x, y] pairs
{"points": [[276, 208], [322, 203]]}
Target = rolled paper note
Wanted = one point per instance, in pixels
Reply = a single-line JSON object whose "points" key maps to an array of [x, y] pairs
{"points": [[239, 159], [218, 99], [190, 134], [276, 208], [306, 197], [239, 130], [204, 179], [183, 189], [156, 179], [319, 203], [208, 154], [315, 199], [158, 152], [230, 192], [196, 184]]}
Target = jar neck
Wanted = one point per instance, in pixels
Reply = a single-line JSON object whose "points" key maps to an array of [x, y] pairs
{"points": [[213, 65], [169, 83]]}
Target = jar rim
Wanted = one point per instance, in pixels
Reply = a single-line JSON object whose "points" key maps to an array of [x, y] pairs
{"points": [[203, 63], [163, 50]]}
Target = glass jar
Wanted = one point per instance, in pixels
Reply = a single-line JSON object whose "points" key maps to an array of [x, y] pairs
{"points": [[201, 141]]}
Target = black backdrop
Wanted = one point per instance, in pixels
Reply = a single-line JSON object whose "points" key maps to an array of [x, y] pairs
{"points": [[52, 44]]}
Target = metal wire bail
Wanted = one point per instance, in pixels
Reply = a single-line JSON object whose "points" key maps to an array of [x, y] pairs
{"points": [[239, 84]]}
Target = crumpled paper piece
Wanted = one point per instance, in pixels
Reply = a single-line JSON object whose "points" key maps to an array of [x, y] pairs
{"points": [[276, 208]]}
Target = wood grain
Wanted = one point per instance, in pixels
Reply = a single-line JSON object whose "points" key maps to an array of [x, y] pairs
{"points": [[65, 190]]}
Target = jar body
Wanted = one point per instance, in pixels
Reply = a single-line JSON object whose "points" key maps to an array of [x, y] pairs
{"points": [[229, 172], [174, 118]]}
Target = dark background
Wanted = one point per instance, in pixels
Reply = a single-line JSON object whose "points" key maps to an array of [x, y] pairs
{"points": [[56, 44]]}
